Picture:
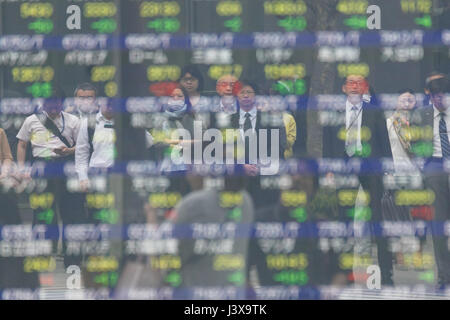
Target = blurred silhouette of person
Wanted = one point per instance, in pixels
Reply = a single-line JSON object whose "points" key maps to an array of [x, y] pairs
{"points": [[201, 264], [12, 273]]}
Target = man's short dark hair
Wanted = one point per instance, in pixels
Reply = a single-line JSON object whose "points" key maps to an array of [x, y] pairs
{"points": [[58, 94], [406, 90], [251, 84], [86, 86], [441, 85], [433, 76]]}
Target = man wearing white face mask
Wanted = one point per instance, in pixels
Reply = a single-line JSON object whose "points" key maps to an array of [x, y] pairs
{"points": [[95, 149], [85, 101]]}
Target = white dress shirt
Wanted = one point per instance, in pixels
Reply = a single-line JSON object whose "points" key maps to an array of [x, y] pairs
{"points": [[103, 144], [43, 142], [437, 150], [230, 107], [201, 105], [355, 125]]}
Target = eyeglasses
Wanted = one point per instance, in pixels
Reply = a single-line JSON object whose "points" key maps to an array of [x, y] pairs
{"points": [[352, 82], [226, 84], [86, 98], [410, 100], [246, 92], [189, 79]]}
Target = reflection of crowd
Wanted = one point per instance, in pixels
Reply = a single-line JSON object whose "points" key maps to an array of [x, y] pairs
{"points": [[85, 133]]}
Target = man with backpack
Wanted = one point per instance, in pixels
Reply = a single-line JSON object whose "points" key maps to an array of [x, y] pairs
{"points": [[95, 145], [52, 134]]}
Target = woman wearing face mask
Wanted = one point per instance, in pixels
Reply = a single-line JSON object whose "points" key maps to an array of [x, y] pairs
{"points": [[178, 111], [176, 114]]}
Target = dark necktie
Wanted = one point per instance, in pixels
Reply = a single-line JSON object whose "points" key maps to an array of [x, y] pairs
{"points": [[247, 126], [247, 122], [445, 144]]}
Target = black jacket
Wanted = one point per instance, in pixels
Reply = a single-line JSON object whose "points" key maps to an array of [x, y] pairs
{"points": [[372, 118], [234, 124]]}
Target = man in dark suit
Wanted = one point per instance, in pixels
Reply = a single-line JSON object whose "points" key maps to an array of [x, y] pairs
{"points": [[363, 134], [251, 124], [436, 178], [359, 116]]}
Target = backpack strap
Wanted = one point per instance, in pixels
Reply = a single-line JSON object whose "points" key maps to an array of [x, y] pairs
{"points": [[51, 126]]}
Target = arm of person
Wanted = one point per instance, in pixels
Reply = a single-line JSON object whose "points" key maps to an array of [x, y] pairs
{"points": [[21, 155], [6, 165], [24, 136], [291, 129], [187, 212], [64, 151], [82, 154], [6, 159], [291, 133], [282, 140], [383, 136], [148, 139]]}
